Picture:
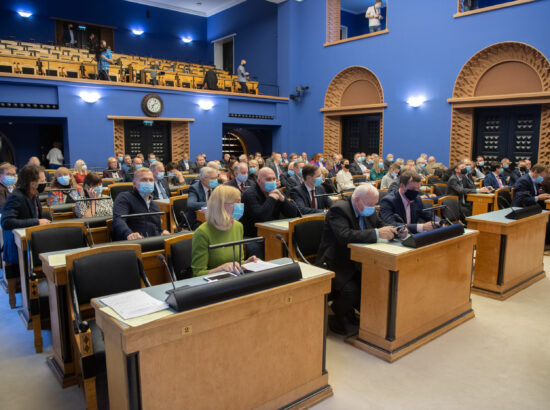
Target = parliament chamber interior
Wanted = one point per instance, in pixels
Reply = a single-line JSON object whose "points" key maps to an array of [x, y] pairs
{"points": [[242, 204]]}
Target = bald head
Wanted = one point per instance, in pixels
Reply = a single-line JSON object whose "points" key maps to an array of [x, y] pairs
{"points": [[364, 195]]}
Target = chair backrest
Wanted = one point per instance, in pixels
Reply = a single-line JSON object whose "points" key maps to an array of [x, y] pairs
{"points": [[105, 270], [54, 237], [503, 198], [440, 189], [107, 181], [115, 189], [359, 178], [178, 253], [183, 190], [305, 236], [382, 194], [452, 210], [189, 179], [179, 205]]}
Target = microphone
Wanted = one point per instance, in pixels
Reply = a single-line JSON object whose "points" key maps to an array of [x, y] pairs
{"points": [[297, 207], [279, 237], [182, 213], [508, 205], [171, 275], [87, 224]]}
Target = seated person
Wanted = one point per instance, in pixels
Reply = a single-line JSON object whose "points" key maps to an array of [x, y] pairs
{"points": [[126, 166], [480, 169], [93, 188], [344, 178], [290, 178], [527, 188], [184, 165], [199, 193], [130, 171], [459, 185], [175, 177], [112, 170], [150, 159], [507, 173], [241, 181], [493, 178], [391, 176], [351, 220], [358, 166], [332, 168], [406, 207], [162, 188], [304, 194], [253, 169], [8, 176], [264, 202], [198, 164], [80, 171], [222, 225], [328, 183], [21, 210], [421, 166], [137, 201], [64, 188], [377, 172]]}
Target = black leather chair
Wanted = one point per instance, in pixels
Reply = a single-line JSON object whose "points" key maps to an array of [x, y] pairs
{"points": [[115, 189], [94, 273], [305, 236], [178, 253], [452, 210], [503, 198], [179, 211], [440, 189], [359, 178], [41, 239]]}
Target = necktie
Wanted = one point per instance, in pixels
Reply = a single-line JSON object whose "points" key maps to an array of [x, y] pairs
{"points": [[313, 204], [162, 191], [208, 194], [242, 187]]}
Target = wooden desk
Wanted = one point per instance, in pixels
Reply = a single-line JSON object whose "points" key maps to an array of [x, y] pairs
{"points": [[269, 231], [201, 216], [19, 236], [509, 253], [247, 352], [482, 203], [411, 296], [164, 206], [547, 202]]}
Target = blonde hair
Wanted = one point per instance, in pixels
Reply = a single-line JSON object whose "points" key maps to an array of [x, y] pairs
{"points": [[216, 213], [78, 165], [111, 159], [324, 171], [59, 172]]}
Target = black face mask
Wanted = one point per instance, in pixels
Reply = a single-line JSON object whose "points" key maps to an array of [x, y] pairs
{"points": [[411, 194], [523, 169], [41, 188], [346, 166], [463, 171]]}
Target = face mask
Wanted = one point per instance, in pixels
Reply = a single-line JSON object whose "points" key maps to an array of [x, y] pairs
{"points": [[346, 166], [253, 170], [213, 183], [160, 175], [391, 159], [98, 190], [422, 165], [300, 172], [318, 181], [367, 211], [523, 169], [41, 188], [9, 180], [481, 163], [238, 211], [152, 160], [84, 167], [270, 186], [138, 166], [370, 161], [64, 180], [505, 166], [501, 171], [291, 172], [120, 159], [146, 188], [394, 174], [468, 168], [186, 161], [242, 178], [321, 159], [380, 165], [463, 171], [410, 194], [538, 180], [220, 166], [171, 174]]}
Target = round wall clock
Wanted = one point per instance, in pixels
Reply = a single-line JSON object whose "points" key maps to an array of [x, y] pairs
{"points": [[152, 105]]}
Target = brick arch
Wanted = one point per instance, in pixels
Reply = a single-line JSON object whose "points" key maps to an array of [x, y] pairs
{"points": [[339, 87], [462, 118]]}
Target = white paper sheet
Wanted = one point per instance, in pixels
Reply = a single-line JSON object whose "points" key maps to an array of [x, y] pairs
{"points": [[134, 304], [259, 266]]}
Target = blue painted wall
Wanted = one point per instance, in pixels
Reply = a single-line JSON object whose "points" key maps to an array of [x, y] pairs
{"points": [[419, 55], [163, 30]]}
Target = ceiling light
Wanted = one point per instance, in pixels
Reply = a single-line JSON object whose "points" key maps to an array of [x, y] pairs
{"points": [[186, 39], [416, 101], [137, 31], [206, 105], [25, 14], [90, 96]]}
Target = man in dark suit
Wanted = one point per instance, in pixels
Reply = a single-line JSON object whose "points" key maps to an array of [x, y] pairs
{"points": [[304, 194], [521, 170], [137, 201], [137, 163], [357, 167], [162, 188], [349, 221], [461, 186], [507, 174], [200, 192], [275, 164], [264, 202], [69, 38], [242, 180], [526, 189], [183, 164], [198, 164], [225, 161], [291, 178], [493, 178], [406, 207]]}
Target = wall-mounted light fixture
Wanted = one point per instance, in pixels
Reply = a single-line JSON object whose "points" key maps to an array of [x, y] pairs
{"points": [[137, 31], [90, 96], [187, 39], [416, 101], [25, 14], [206, 105]]}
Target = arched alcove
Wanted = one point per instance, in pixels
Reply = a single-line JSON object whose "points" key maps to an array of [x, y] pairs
{"points": [[353, 91], [508, 73]]}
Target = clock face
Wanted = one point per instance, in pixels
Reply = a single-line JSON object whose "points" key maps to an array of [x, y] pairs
{"points": [[152, 105]]}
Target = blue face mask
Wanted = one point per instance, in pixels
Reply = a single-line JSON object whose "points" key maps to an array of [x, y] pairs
{"points": [[9, 180], [538, 180], [238, 211], [152, 160], [422, 165], [468, 168], [501, 171], [64, 180], [300, 171], [318, 181], [394, 174], [370, 161], [368, 211], [120, 159], [321, 159], [291, 172], [146, 188], [160, 175], [380, 165], [220, 166], [138, 166], [481, 163], [505, 166], [391, 159], [213, 183], [186, 161], [171, 174], [270, 186], [253, 170], [242, 178], [98, 190]]}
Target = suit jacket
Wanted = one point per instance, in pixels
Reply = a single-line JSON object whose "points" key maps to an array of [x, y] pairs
{"points": [[355, 169], [196, 200], [301, 196], [259, 207], [340, 229], [132, 202], [273, 166], [108, 173], [184, 166], [234, 183], [195, 168], [508, 177], [4, 193], [290, 181], [392, 204], [525, 192], [165, 185], [460, 188], [491, 180]]}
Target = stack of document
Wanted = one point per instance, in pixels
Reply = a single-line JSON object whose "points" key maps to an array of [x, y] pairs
{"points": [[259, 266], [133, 304]]}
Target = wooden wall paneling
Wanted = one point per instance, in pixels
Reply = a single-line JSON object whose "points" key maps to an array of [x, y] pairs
{"points": [[180, 140], [544, 137], [333, 20], [118, 126]]}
